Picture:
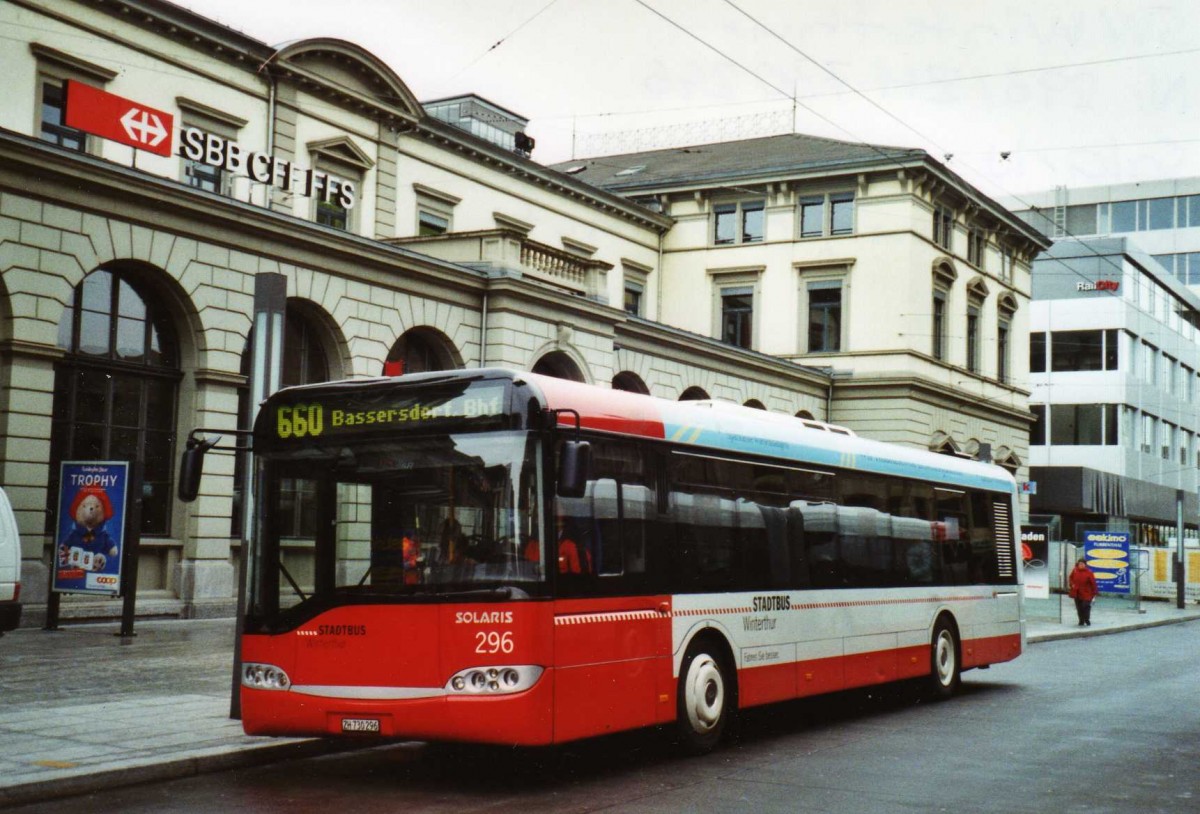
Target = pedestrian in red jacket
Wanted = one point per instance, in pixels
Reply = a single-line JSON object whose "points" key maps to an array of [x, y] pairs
{"points": [[1082, 585]]}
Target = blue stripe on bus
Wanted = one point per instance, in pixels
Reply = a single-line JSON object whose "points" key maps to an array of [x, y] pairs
{"points": [[809, 455]]}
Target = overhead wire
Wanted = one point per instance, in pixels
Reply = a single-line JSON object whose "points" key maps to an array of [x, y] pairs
{"points": [[1106, 259]]}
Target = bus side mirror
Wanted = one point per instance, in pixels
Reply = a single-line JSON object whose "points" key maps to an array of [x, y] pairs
{"points": [[574, 464], [191, 467]]}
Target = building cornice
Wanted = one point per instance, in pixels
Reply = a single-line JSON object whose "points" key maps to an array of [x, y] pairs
{"points": [[664, 341], [49, 173]]}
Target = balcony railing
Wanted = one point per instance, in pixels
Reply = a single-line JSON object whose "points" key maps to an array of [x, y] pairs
{"points": [[511, 251]]}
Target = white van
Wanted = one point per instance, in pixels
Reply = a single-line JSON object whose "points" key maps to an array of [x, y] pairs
{"points": [[10, 567]]}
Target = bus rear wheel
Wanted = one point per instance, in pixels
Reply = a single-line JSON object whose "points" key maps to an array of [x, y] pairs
{"points": [[705, 702], [945, 668]]}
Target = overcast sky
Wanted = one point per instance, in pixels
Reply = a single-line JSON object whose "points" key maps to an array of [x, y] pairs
{"points": [[1077, 92]]}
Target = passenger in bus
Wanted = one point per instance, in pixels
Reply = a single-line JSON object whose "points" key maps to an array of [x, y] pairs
{"points": [[531, 551], [451, 543], [573, 555], [410, 551]]}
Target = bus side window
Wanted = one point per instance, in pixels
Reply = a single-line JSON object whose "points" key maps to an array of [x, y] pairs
{"points": [[798, 552], [607, 511], [824, 558]]}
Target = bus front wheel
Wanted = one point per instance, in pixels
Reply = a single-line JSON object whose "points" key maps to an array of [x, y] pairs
{"points": [[706, 698], [945, 666]]}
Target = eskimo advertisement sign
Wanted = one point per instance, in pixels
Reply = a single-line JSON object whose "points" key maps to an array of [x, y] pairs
{"points": [[90, 538]]}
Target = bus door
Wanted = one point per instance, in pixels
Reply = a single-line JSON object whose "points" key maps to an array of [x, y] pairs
{"points": [[612, 643]]}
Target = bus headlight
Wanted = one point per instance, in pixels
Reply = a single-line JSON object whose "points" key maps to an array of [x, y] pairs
{"points": [[264, 677], [494, 680]]}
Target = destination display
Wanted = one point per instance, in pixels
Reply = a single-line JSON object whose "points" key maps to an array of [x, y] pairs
{"points": [[336, 414]]}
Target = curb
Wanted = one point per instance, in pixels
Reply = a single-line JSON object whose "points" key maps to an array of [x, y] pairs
{"points": [[1087, 633], [150, 771]]}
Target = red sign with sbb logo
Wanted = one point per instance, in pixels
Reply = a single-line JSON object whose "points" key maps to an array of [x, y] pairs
{"points": [[119, 119]]}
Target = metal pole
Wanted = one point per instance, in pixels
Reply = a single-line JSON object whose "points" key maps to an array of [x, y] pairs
{"points": [[133, 551], [1179, 603], [266, 372]]}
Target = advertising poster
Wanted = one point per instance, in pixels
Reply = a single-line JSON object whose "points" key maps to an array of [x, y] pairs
{"points": [[90, 536], [1035, 552], [1107, 554]]}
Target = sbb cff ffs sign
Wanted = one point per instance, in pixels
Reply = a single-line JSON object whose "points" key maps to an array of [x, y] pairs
{"points": [[116, 118]]}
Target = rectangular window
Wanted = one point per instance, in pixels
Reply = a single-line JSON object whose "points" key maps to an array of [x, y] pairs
{"points": [[738, 223], [1008, 264], [1081, 220], [824, 317], [825, 215], [633, 298], [1076, 425], [1168, 440], [841, 213], [724, 224], [1112, 341], [1150, 363], [204, 176], [1072, 351], [1084, 424], [1185, 443], [220, 128], [752, 222], [1149, 433], [1124, 216], [737, 311], [1037, 432], [1037, 352], [939, 325], [1193, 216], [976, 240], [1002, 331], [332, 214], [943, 227], [973, 339], [53, 113], [1162, 213], [812, 217], [430, 224]]}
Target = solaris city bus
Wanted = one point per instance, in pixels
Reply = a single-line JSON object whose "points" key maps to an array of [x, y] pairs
{"points": [[508, 558]]}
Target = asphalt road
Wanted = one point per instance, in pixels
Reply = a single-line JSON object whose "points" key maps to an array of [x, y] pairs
{"points": [[1105, 724]]}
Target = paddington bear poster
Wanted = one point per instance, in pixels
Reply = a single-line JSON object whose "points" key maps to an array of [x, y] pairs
{"points": [[89, 541]]}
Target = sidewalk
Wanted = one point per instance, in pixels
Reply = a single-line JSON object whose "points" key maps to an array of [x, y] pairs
{"points": [[83, 710]]}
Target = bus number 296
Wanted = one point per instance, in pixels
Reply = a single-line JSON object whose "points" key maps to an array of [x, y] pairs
{"points": [[493, 642]]}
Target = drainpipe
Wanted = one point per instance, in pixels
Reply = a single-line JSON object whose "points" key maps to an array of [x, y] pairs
{"points": [[483, 328], [659, 288], [270, 128], [829, 400]]}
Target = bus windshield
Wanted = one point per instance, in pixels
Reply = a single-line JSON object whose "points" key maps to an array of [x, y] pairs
{"points": [[405, 518]]}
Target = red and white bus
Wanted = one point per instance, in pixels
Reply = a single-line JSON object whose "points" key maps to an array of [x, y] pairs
{"points": [[508, 558]]}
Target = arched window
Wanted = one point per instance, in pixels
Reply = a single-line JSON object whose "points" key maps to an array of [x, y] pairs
{"points": [[694, 394], [756, 404], [115, 390], [804, 414], [630, 382], [559, 365], [420, 350]]}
